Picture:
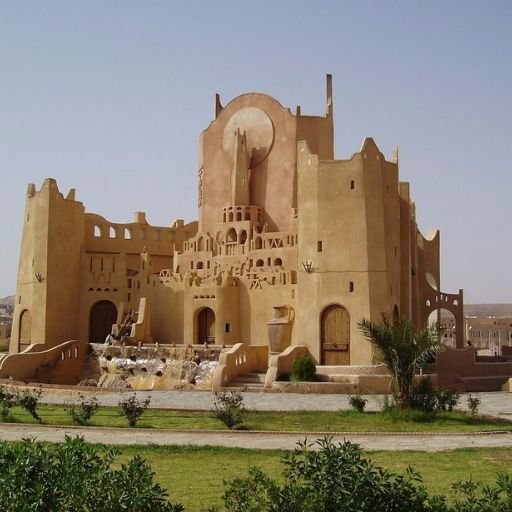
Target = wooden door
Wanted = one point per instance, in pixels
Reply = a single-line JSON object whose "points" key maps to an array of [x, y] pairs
{"points": [[335, 336], [206, 326], [103, 315]]}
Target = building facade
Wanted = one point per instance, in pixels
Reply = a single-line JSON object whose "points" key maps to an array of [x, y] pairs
{"points": [[287, 235]]}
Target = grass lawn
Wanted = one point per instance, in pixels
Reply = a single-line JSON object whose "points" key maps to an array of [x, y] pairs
{"points": [[309, 421], [194, 475]]}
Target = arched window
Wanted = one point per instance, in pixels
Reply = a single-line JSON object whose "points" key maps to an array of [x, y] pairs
{"points": [[242, 237], [278, 262], [231, 236], [260, 263], [112, 232], [97, 232], [127, 234]]}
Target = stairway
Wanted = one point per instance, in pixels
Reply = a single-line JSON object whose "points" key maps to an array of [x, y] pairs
{"points": [[249, 382]]}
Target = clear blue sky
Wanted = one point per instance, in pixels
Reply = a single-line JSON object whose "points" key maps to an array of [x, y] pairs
{"points": [[109, 97]]}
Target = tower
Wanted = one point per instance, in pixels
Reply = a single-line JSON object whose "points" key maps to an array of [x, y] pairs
{"points": [[47, 294]]}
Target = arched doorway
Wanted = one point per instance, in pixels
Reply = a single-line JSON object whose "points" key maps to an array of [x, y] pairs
{"points": [[25, 329], [446, 323], [335, 336], [206, 326], [103, 315]]}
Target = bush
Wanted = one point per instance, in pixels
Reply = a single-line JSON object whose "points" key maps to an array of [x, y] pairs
{"points": [[7, 402], [29, 400], [430, 400], [357, 402], [76, 476], [82, 412], [303, 369], [229, 408], [132, 408], [338, 478], [332, 478], [473, 404]]}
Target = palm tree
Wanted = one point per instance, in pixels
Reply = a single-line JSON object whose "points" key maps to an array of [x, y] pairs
{"points": [[404, 350]]}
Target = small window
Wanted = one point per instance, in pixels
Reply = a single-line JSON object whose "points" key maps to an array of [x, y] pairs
{"points": [[112, 232], [352, 185], [351, 286], [127, 234], [97, 232], [319, 246], [129, 297], [227, 328]]}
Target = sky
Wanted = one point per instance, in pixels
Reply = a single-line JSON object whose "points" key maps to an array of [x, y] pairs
{"points": [[109, 97]]}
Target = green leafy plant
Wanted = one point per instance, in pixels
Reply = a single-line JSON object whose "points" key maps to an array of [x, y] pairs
{"points": [[357, 402], [7, 402], [325, 477], [473, 404], [425, 397], [132, 408], [229, 408], [29, 400], [329, 478], [303, 369], [76, 476], [82, 412], [404, 350]]}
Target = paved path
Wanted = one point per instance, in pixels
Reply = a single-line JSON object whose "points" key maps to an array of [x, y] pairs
{"points": [[495, 404], [264, 440]]}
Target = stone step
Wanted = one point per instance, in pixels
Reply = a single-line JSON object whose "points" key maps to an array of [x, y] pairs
{"points": [[249, 378]]}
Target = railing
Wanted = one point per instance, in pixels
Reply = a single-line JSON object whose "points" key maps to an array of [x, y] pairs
{"points": [[239, 359], [283, 363], [60, 364]]}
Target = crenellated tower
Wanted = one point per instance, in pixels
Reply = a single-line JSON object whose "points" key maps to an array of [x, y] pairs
{"points": [[47, 295]]}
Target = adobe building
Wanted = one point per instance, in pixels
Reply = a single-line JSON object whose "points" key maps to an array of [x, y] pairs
{"points": [[290, 243]]}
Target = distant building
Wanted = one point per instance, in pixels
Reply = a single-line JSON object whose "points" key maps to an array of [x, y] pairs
{"points": [[5, 329], [287, 236], [489, 334]]}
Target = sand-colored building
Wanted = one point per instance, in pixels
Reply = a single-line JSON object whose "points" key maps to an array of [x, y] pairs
{"points": [[289, 241]]}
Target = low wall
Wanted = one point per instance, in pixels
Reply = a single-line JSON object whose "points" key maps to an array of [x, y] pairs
{"points": [[281, 364], [239, 359], [462, 369], [60, 365]]}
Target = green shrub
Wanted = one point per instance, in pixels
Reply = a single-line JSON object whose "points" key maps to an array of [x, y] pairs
{"points": [[29, 400], [357, 402], [303, 369], [336, 478], [473, 404], [82, 412], [430, 400], [76, 477], [332, 478], [7, 402], [229, 408], [132, 408]]}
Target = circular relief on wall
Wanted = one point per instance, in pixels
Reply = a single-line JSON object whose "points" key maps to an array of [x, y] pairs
{"points": [[259, 129]]}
